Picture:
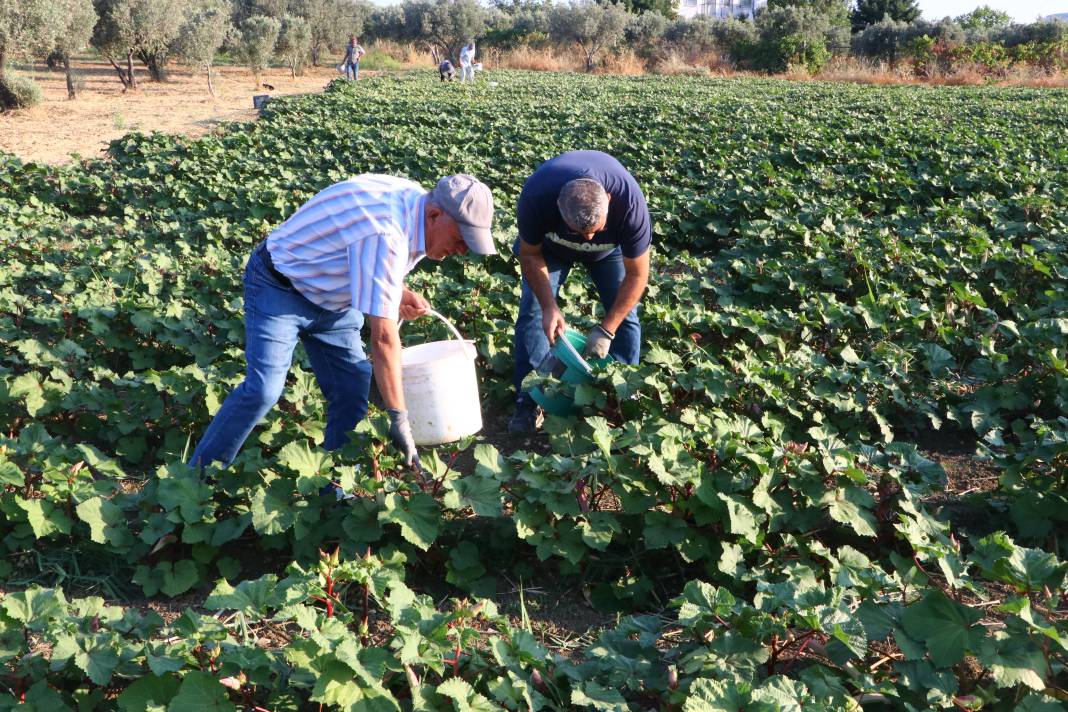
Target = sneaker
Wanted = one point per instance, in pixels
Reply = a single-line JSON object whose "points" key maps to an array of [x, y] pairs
{"points": [[525, 418]]}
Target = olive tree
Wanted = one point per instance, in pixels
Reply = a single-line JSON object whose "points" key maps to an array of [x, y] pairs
{"points": [[590, 25], [330, 22], [205, 31], [27, 28], [79, 18], [444, 26], [256, 41], [147, 29], [294, 43]]}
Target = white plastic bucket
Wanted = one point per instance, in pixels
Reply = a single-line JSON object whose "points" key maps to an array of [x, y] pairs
{"points": [[441, 389]]}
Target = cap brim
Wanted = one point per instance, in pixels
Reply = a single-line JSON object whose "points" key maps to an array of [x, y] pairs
{"points": [[478, 239]]}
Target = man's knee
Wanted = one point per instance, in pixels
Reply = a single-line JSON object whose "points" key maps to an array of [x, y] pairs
{"points": [[261, 394]]}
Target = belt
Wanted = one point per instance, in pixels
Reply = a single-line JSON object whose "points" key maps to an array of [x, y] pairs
{"points": [[265, 255]]}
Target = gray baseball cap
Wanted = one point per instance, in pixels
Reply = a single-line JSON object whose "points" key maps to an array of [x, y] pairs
{"points": [[469, 202]]}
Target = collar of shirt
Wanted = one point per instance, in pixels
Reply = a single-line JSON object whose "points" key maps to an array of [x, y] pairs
{"points": [[415, 227]]}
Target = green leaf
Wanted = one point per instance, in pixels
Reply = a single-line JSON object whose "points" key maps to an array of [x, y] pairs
{"points": [[272, 509], [336, 685], [10, 474], [312, 467], [464, 697], [591, 695], [1014, 661], [201, 692], [252, 598], [418, 517], [849, 506], [36, 607], [707, 695], [480, 493], [45, 517], [146, 692], [742, 517], [94, 655], [948, 628], [107, 522], [598, 530]]}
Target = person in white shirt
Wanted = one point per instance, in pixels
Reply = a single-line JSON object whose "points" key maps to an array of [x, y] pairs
{"points": [[467, 62], [341, 258]]}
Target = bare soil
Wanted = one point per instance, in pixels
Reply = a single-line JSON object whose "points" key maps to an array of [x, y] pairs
{"points": [[102, 112]]}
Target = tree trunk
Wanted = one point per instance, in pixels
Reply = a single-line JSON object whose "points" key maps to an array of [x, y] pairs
{"points": [[3, 61], [70, 78], [589, 62], [129, 70], [122, 74], [152, 64], [211, 89]]}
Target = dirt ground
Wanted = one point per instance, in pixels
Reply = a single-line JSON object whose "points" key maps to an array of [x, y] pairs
{"points": [[58, 127]]}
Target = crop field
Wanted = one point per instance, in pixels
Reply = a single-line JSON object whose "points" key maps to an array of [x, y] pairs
{"points": [[852, 287]]}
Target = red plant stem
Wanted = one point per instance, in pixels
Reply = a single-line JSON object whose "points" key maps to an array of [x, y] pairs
{"points": [[775, 650]]}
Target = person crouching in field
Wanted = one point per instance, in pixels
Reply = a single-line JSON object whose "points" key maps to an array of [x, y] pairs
{"points": [[446, 70], [339, 260], [581, 207]]}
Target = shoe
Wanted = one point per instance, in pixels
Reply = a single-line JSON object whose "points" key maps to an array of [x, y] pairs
{"points": [[525, 419]]}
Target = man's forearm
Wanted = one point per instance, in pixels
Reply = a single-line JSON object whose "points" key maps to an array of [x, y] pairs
{"points": [[386, 351], [536, 272], [630, 293]]}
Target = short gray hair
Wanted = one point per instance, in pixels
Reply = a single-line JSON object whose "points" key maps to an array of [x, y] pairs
{"points": [[583, 204]]}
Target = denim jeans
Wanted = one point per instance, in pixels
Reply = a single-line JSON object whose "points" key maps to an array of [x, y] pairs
{"points": [[531, 345], [354, 69], [276, 316]]}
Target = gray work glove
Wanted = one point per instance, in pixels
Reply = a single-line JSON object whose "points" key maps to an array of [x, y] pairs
{"points": [[598, 341], [400, 432]]}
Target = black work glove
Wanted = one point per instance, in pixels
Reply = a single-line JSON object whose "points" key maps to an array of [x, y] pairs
{"points": [[598, 341], [400, 432]]}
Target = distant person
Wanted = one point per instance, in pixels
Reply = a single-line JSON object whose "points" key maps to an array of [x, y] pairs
{"points": [[446, 70], [338, 261], [581, 207], [467, 62], [353, 53]]}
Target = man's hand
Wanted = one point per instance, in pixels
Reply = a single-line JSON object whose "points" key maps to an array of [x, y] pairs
{"points": [[553, 323], [400, 432], [412, 305], [598, 341]]}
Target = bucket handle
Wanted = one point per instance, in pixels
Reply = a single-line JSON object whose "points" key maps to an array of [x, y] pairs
{"points": [[453, 329]]}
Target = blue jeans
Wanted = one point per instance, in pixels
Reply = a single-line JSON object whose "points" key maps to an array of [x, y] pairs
{"points": [[276, 315], [531, 344], [354, 69]]}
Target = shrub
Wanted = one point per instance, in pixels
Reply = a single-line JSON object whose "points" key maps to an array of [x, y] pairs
{"points": [[379, 61], [20, 93]]}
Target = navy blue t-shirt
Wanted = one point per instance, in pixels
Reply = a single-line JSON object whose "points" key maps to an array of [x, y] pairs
{"points": [[628, 225]]}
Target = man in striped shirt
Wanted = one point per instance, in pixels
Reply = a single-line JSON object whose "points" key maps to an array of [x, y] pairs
{"points": [[341, 259]]}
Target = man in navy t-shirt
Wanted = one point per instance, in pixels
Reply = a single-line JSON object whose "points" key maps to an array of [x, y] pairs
{"points": [[580, 207]]}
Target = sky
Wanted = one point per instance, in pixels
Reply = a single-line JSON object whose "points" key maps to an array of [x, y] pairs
{"points": [[1020, 10]]}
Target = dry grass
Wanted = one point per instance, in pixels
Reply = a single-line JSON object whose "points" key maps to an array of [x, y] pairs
{"points": [[540, 60], [625, 62], [861, 71], [50, 132], [405, 53]]}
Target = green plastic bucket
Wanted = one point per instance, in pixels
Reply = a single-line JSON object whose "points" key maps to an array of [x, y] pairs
{"points": [[568, 349]]}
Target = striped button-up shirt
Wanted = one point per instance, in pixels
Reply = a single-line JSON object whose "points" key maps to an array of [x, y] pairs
{"points": [[351, 245]]}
